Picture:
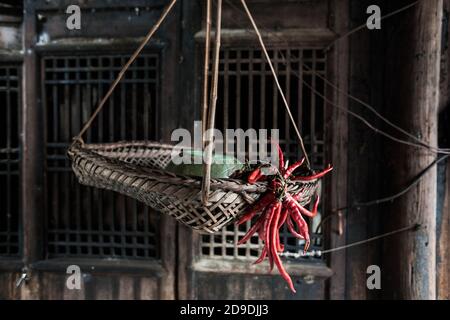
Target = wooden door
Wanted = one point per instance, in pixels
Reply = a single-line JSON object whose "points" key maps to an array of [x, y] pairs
{"points": [[213, 266], [49, 221]]}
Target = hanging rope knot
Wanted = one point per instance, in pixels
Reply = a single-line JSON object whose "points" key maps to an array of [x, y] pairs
{"points": [[78, 140]]}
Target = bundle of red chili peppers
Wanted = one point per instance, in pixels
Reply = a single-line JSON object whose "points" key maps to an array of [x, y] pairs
{"points": [[278, 207]]}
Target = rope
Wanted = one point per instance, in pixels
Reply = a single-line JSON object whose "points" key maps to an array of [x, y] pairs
{"points": [[319, 253], [357, 205], [421, 144], [206, 66], [362, 119], [261, 42], [352, 31], [206, 181], [372, 109], [147, 38]]}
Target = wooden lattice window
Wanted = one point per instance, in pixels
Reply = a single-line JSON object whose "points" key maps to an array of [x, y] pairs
{"points": [[88, 222], [9, 159], [248, 98]]}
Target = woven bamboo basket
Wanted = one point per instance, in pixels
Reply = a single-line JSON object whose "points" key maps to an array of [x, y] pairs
{"points": [[136, 169]]}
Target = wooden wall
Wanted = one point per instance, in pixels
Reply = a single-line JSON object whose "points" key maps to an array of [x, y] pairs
{"points": [[366, 152]]}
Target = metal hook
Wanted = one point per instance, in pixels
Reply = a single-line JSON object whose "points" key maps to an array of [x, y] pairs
{"points": [[23, 278]]}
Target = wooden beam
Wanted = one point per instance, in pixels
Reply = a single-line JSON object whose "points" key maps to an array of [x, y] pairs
{"points": [[33, 153], [412, 97], [316, 270], [365, 146], [337, 140]]}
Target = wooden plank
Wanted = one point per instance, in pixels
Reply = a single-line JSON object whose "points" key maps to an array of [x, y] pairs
{"points": [[167, 122], [265, 287], [102, 266], [51, 285], [11, 55], [127, 288], [53, 25], [241, 267], [72, 294], [185, 256], [337, 140], [94, 286], [46, 5], [32, 178], [103, 287], [276, 13], [413, 58], [189, 100], [150, 289], [254, 288], [364, 153], [298, 37], [7, 284]]}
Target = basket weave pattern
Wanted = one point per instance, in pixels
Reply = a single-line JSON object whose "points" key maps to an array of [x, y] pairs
{"points": [[136, 169]]}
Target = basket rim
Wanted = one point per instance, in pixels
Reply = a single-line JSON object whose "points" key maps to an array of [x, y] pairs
{"points": [[78, 148]]}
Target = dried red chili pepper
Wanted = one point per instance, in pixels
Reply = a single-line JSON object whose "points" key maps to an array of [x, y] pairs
{"points": [[292, 230], [259, 206], [255, 176], [275, 256], [292, 168], [267, 232], [262, 256], [303, 227], [283, 217], [314, 176], [278, 208], [252, 230], [302, 209], [280, 160]]}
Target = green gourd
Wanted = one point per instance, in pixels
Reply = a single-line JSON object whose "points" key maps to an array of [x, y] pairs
{"points": [[222, 166]]}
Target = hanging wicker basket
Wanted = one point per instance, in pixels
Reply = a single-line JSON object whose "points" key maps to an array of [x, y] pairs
{"points": [[136, 169]]}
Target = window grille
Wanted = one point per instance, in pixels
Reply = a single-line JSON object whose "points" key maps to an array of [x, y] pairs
{"points": [[248, 98], [83, 221], [9, 159]]}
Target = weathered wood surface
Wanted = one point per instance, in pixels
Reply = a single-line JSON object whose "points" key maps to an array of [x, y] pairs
{"points": [[413, 57], [100, 280], [337, 142], [52, 286], [364, 152], [279, 14], [7, 285], [248, 287], [32, 175]]}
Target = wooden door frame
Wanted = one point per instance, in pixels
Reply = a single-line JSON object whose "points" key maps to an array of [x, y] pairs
{"points": [[336, 124], [33, 175], [11, 267]]}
